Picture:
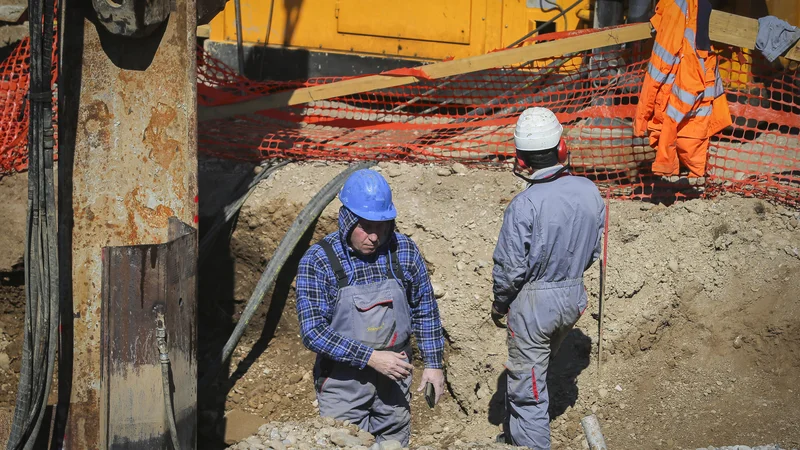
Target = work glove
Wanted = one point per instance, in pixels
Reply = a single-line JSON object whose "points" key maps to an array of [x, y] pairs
{"points": [[499, 312]]}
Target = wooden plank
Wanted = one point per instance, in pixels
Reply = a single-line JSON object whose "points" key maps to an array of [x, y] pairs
{"points": [[204, 31], [731, 29], [740, 31], [434, 71]]}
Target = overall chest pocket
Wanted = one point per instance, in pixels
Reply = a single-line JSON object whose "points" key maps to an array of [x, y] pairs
{"points": [[381, 318]]}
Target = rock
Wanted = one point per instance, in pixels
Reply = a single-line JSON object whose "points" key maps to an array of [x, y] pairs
{"points": [[5, 361], [391, 445], [737, 342], [673, 265], [695, 206], [603, 392], [276, 445], [328, 421], [460, 266], [444, 172], [689, 291], [459, 168], [394, 172], [618, 388], [254, 442], [344, 439], [438, 290], [366, 438], [435, 429], [295, 378]]}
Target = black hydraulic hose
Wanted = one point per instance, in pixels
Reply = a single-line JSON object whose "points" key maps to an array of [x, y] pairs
{"points": [[41, 253], [231, 209], [298, 228], [163, 358]]}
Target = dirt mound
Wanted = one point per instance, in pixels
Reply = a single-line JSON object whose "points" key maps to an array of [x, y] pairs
{"points": [[700, 326], [701, 339]]}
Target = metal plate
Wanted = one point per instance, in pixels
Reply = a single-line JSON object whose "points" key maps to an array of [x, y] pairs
{"points": [[422, 20]]}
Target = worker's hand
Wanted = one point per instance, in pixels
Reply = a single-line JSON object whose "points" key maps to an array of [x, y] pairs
{"points": [[436, 378], [391, 364], [499, 312]]}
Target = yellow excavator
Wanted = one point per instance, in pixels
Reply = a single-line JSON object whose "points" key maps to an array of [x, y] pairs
{"points": [[299, 39]]}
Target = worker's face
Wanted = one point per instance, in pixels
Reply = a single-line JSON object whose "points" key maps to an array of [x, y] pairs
{"points": [[367, 236]]}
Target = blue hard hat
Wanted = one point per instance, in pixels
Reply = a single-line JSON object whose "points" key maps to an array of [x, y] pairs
{"points": [[367, 194]]}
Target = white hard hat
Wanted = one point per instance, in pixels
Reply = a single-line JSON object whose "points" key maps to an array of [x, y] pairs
{"points": [[537, 130]]}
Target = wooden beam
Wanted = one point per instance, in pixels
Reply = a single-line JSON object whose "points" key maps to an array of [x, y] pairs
{"points": [[730, 29], [437, 70], [740, 31], [724, 28], [204, 31]]}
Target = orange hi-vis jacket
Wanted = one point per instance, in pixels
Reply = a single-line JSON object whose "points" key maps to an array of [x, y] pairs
{"points": [[682, 102]]}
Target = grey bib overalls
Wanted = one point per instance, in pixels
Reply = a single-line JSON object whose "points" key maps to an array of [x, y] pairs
{"points": [[379, 316]]}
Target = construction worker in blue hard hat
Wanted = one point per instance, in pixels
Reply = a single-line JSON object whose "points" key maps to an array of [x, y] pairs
{"points": [[549, 237], [361, 292]]}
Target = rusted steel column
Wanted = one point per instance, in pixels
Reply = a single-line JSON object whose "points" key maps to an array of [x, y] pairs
{"points": [[127, 163]]}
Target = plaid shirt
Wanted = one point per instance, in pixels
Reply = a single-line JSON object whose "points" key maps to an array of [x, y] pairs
{"points": [[317, 294]]}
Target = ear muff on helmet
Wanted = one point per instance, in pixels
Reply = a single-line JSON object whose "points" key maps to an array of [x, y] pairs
{"points": [[520, 161], [563, 152]]}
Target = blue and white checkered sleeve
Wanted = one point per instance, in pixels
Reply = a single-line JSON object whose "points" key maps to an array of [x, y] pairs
{"points": [[424, 310], [314, 312]]}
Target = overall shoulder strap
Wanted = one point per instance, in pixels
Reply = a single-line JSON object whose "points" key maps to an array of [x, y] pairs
{"points": [[336, 264]]}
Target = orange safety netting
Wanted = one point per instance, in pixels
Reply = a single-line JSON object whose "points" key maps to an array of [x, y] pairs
{"points": [[14, 83], [470, 118]]}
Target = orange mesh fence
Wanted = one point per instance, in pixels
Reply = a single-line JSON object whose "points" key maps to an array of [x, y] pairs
{"points": [[14, 83], [470, 118]]}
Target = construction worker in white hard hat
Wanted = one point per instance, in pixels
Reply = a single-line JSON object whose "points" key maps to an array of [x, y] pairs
{"points": [[549, 237]]}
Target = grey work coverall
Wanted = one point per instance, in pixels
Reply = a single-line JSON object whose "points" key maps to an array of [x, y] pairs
{"points": [[377, 315], [550, 235]]}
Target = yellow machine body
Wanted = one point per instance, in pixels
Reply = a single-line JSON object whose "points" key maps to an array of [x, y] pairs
{"points": [[409, 29], [428, 30]]}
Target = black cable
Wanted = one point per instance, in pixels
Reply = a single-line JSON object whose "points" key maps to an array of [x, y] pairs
{"points": [[298, 228], [231, 210], [41, 254]]}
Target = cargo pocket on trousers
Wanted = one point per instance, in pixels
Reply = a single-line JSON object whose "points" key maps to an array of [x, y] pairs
{"points": [[522, 389]]}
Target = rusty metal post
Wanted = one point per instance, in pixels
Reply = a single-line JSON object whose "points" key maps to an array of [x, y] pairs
{"points": [[127, 163]]}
